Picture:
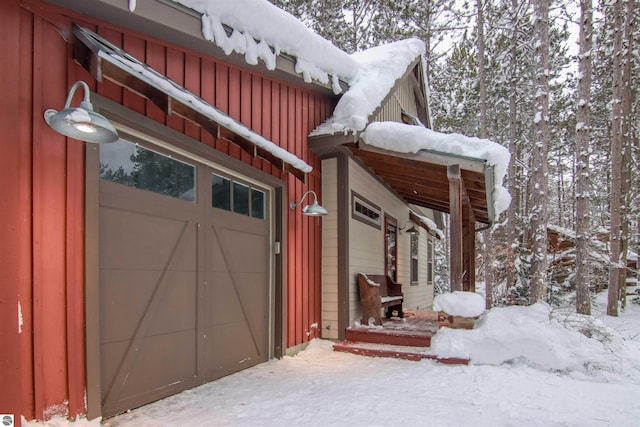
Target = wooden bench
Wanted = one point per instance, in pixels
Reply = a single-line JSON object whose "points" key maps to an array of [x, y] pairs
{"points": [[377, 291]]}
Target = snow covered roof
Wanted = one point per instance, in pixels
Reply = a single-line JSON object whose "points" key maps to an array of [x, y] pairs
{"points": [[403, 138], [261, 30], [378, 69], [429, 224]]}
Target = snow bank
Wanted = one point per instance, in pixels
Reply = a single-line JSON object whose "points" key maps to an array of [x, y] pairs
{"points": [[536, 337], [403, 138], [465, 304]]}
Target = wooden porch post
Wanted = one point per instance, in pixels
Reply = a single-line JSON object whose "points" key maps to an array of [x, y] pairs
{"points": [[455, 226], [468, 250]]}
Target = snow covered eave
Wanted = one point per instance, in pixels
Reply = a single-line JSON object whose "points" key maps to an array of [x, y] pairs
{"points": [[180, 25], [381, 70], [427, 223], [416, 161], [262, 31], [105, 60]]}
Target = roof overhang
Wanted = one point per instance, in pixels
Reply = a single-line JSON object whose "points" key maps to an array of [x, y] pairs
{"points": [[421, 178], [106, 61], [169, 21]]}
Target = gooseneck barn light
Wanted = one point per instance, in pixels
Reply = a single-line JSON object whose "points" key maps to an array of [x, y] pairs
{"points": [[410, 230], [313, 209], [82, 122]]}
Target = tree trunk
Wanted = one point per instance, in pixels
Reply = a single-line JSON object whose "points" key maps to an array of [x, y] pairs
{"points": [[538, 188], [583, 184], [615, 269], [482, 83], [627, 94], [513, 150]]}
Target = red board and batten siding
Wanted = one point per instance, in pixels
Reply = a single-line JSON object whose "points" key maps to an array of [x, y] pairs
{"points": [[42, 251], [14, 212]]}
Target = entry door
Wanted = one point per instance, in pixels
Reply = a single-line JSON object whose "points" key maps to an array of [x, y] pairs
{"points": [[391, 247], [184, 283]]}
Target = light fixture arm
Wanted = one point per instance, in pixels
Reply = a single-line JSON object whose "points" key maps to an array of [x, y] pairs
{"points": [[294, 205], [86, 101]]}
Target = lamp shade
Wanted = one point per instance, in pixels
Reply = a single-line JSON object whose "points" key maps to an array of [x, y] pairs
{"points": [[412, 230], [82, 122], [314, 209]]}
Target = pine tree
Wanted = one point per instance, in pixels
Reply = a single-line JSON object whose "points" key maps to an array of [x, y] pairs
{"points": [[539, 163], [615, 268], [583, 229]]}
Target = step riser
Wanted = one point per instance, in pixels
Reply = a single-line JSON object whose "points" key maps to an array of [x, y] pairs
{"points": [[397, 355], [377, 353], [381, 338]]}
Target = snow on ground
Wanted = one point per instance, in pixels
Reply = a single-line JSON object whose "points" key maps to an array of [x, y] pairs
{"points": [[319, 387]]}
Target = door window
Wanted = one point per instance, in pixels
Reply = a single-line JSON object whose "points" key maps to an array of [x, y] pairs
{"points": [[391, 248]]}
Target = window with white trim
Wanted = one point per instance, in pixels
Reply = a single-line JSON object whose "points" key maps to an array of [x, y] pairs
{"points": [[429, 259], [415, 239], [365, 211]]}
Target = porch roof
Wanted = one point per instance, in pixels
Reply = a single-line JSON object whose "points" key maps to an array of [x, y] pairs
{"points": [[414, 162], [104, 60]]}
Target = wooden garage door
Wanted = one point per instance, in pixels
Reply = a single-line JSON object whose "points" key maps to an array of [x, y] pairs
{"points": [[184, 275]]}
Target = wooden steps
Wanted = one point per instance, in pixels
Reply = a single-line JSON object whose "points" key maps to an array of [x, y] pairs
{"points": [[415, 338], [395, 352], [408, 338]]}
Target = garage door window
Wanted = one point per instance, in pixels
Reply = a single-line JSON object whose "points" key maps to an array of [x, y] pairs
{"points": [[241, 198], [221, 192], [257, 203], [237, 197], [130, 164]]}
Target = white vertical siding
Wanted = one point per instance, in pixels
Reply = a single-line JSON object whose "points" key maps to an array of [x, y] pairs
{"points": [[330, 250], [402, 99], [366, 244]]}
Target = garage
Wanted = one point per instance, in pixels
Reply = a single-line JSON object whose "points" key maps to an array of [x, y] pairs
{"points": [[185, 272]]}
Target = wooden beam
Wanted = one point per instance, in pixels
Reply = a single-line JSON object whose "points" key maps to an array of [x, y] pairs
{"points": [[417, 90], [455, 227], [425, 184], [435, 173], [87, 59], [90, 59], [139, 86], [468, 250], [192, 115]]}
